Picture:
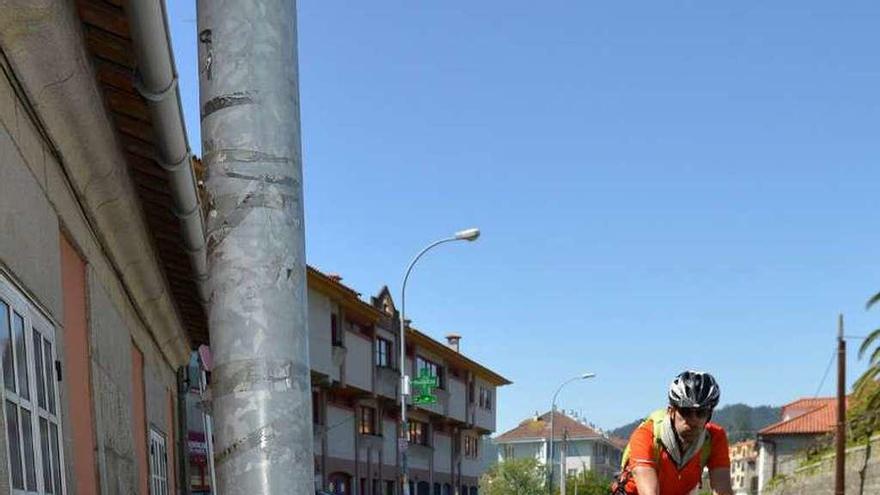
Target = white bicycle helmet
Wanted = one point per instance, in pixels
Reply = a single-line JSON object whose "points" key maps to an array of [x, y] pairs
{"points": [[694, 389]]}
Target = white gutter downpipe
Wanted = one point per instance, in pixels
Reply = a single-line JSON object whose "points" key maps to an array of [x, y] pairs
{"points": [[157, 82]]}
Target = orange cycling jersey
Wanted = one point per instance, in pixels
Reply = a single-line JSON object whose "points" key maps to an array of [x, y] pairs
{"points": [[673, 481]]}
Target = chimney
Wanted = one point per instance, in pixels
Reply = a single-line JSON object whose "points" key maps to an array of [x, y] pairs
{"points": [[452, 340]]}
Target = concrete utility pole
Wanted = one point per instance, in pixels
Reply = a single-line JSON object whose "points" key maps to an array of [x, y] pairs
{"points": [[840, 437], [261, 391], [562, 461]]}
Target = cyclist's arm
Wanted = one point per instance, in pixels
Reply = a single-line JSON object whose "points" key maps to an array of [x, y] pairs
{"points": [[719, 478], [647, 482]]}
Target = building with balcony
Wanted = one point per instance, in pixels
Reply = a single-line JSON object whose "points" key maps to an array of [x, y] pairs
{"points": [[576, 445], [354, 353]]}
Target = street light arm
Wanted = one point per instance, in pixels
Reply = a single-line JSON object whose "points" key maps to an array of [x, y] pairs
{"points": [[552, 425], [560, 388], [465, 235], [410, 267]]}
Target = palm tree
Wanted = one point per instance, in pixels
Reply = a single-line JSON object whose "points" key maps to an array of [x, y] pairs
{"points": [[874, 336], [866, 390]]}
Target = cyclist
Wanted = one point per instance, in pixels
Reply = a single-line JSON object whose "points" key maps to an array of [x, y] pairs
{"points": [[668, 451]]}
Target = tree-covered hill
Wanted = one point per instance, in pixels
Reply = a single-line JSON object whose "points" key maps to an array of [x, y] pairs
{"points": [[740, 420]]}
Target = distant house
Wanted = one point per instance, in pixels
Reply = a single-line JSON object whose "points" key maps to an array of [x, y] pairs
{"points": [[743, 467], [803, 424], [584, 448]]}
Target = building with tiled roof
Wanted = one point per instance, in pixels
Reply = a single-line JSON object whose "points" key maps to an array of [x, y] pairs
{"points": [[802, 424], [583, 447]]}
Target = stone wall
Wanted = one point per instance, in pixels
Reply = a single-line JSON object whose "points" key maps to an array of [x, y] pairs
{"points": [[862, 474]]}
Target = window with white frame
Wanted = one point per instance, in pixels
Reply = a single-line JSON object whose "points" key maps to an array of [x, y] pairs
{"points": [[30, 396], [158, 463]]}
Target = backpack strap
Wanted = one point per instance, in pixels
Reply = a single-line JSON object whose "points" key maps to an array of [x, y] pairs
{"points": [[658, 417]]}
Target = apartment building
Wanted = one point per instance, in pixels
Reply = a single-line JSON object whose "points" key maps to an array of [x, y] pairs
{"points": [[743, 467], [354, 352], [100, 236], [576, 446]]}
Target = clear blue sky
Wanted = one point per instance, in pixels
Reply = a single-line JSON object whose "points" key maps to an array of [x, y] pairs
{"points": [[661, 185]]}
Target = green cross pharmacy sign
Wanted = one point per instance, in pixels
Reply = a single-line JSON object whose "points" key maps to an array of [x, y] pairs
{"points": [[425, 385]]}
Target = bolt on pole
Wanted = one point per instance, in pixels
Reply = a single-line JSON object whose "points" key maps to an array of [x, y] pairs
{"points": [[249, 102]]}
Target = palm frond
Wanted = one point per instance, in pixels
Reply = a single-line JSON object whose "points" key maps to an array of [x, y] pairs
{"points": [[868, 342], [875, 357], [867, 377], [874, 299]]}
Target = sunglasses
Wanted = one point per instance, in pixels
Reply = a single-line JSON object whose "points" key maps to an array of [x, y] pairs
{"points": [[694, 412]]}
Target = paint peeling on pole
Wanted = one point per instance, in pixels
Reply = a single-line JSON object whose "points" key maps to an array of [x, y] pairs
{"points": [[261, 397]]}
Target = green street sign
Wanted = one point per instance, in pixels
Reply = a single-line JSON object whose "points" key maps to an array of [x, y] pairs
{"points": [[425, 384]]}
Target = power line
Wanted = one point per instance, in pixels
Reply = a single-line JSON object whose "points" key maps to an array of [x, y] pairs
{"points": [[827, 369]]}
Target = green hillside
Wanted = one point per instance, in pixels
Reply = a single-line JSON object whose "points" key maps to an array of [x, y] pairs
{"points": [[740, 420]]}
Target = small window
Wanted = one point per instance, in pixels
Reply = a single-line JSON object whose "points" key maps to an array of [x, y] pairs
{"points": [[158, 463], [508, 452], [471, 446], [367, 421], [433, 368], [383, 352], [418, 433], [335, 333], [485, 398]]}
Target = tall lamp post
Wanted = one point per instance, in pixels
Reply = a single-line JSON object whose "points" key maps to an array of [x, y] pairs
{"points": [[583, 376], [464, 235]]}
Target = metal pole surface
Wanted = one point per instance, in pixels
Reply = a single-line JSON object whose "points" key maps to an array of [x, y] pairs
{"points": [[209, 431], [249, 102], [840, 437], [550, 449]]}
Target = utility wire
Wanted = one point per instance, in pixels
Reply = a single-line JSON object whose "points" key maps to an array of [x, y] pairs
{"points": [[827, 369]]}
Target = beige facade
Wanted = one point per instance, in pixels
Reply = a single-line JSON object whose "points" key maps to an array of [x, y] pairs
{"points": [[743, 467], [355, 376], [91, 331]]}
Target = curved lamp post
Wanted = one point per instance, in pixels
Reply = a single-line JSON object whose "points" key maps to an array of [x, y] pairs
{"points": [[463, 235], [583, 376]]}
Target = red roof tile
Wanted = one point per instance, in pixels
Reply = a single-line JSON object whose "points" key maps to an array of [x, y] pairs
{"points": [[539, 429], [805, 416]]}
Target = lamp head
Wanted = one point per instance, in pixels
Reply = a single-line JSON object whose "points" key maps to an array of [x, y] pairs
{"points": [[467, 234]]}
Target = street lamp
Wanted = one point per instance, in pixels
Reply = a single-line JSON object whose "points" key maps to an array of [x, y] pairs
{"points": [[583, 376], [462, 235]]}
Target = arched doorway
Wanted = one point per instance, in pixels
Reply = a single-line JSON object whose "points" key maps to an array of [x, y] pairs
{"points": [[474, 490], [423, 488], [339, 483]]}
